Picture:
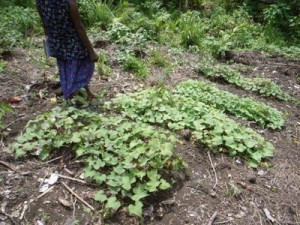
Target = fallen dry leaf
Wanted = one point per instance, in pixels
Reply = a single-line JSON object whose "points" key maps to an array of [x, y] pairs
{"points": [[14, 99]]}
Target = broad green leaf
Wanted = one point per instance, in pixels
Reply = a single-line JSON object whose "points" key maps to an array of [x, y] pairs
{"points": [[75, 138], [153, 174], [99, 178], [139, 193], [88, 172], [152, 185], [98, 164], [268, 150], [80, 151], [218, 140], [136, 209], [127, 180], [138, 173], [252, 163], [100, 196], [257, 156], [119, 169], [164, 184], [113, 203], [58, 143], [229, 140], [167, 149], [250, 143]]}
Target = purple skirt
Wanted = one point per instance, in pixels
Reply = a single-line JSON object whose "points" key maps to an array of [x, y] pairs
{"points": [[74, 75]]}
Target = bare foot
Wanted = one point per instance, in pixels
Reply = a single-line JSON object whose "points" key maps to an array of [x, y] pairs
{"points": [[90, 95]]}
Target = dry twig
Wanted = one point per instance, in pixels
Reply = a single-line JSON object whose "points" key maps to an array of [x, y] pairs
{"points": [[268, 215], [212, 219], [25, 207], [78, 197], [222, 222], [52, 160], [8, 166], [212, 165], [71, 178], [41, 195]]}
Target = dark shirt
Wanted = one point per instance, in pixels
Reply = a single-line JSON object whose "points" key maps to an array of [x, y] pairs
{"points": [[63, 40]]}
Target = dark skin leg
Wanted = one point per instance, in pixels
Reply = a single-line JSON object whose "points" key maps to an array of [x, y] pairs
{"points": [[90, 95], [75, 16]]}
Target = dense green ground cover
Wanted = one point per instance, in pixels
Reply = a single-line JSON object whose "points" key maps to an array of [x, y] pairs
{"points": [[130, 153]]}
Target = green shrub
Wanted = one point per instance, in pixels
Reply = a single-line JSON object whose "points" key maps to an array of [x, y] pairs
{"points": [[191, 28], [99, 12], [17, 23], [103, 68], [135, 65], [281, 18], [159, 58]]}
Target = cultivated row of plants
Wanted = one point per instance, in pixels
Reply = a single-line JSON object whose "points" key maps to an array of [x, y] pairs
{"points": [[127, 159], [208, 125], [261, 85], [246, 108]]}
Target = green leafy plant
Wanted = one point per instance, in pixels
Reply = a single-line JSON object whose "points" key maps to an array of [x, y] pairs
{"points": [[190, 28], [209, 126], [100, 12], [284, 18], [16, 23], [135, 65], [103, 68], [128, 160], [134, 41], [245, 108], [4, 108], [158, 58], [3, 65], [262, 85]]}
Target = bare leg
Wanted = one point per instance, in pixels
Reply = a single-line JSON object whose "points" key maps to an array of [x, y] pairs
{"points": [[90, 95]]}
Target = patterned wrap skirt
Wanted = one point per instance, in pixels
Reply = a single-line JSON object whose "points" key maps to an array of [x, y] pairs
{"points": [[74, 75]]}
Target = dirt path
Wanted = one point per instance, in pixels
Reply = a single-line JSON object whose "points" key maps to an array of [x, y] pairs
{"points": [[215, 188]]}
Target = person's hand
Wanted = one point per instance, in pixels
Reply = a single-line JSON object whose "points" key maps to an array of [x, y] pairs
{"points": [[93, 56]]}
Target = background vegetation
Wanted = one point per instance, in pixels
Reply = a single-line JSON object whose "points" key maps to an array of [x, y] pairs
{"points": [[207, 26]]}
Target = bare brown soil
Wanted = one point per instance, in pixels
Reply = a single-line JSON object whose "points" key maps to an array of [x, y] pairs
{"points": [[215, 189]]}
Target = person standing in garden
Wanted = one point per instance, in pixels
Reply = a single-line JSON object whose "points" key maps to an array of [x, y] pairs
{"points": [[68, 42]]}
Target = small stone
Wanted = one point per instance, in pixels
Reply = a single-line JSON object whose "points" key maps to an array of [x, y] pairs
{"points": [[39, 222], [238, 161], [65, 203], [240, 215], [261, 173], [244, 209], [213, 194]]}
